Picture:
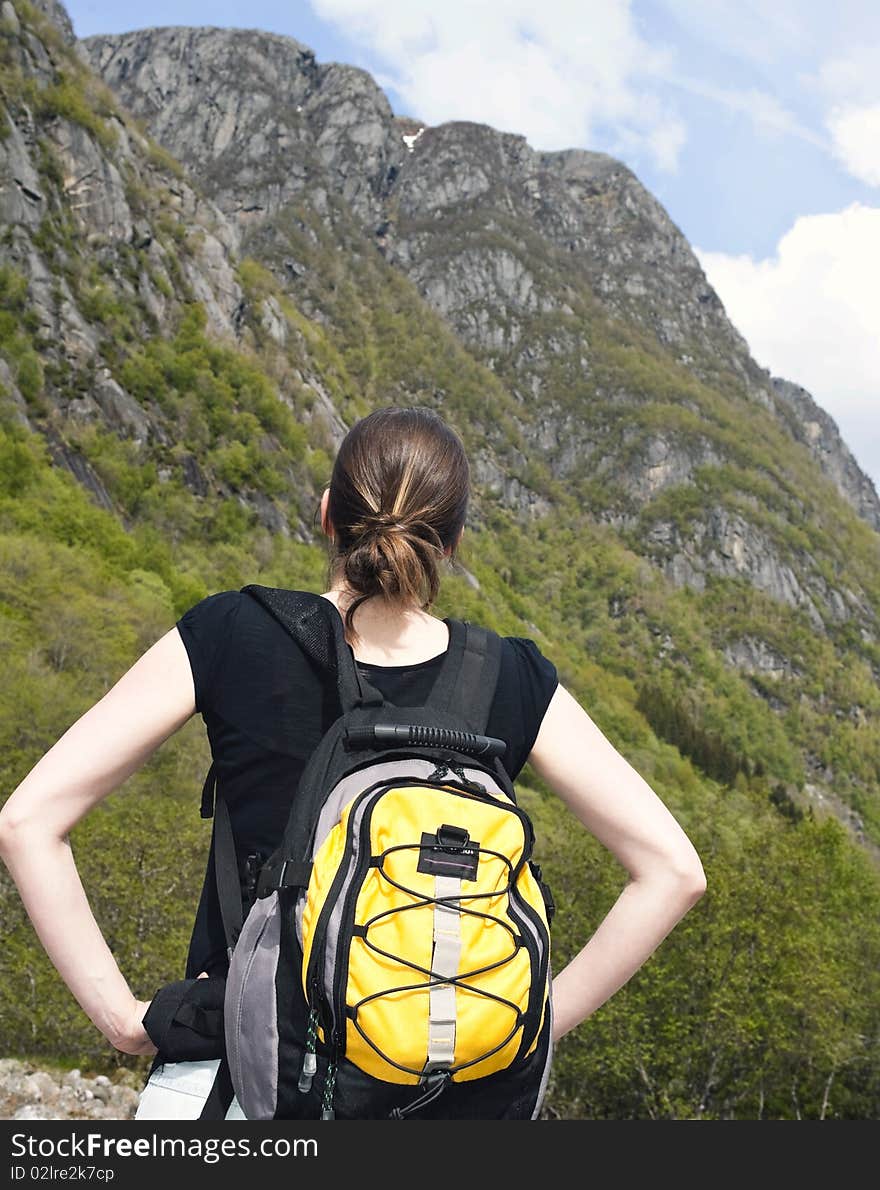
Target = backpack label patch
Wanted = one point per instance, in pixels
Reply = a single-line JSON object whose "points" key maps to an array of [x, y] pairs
{"points": [[445, 854]]}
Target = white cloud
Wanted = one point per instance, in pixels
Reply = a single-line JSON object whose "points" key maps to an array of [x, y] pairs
{"points": [[554, 72], [811, 313], [849, 85], [855, 133]]}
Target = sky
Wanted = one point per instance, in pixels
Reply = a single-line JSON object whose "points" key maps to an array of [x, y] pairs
{"points": [[756, 123]]}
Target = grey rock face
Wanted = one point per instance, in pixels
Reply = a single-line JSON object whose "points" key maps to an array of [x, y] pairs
{"points": [[325, 413], [818, 431], [269, 513], [96, 194], [93, 184], [121, 410], [80, 468], [22, 200], [57, 14], [77, 202], [504, 242], [587, 206], [663, 461], [560, 439], [211, 276], [253, 115], [193, 476], [724, 542], [9, 390], [10, 16], [486, 227], [752, 655], [501, 484]]}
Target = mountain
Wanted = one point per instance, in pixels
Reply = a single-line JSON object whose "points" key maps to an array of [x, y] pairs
{"points": [[261, 124], [216, 254], [626, 384]]}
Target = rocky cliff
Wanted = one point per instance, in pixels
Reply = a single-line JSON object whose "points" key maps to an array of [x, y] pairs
{"points": [[817, 430], [94, 219], [261, 123]]}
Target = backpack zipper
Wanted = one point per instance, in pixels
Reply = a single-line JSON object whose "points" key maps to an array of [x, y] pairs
{"points": [[521, 910]]}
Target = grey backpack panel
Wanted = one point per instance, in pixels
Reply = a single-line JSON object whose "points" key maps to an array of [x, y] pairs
{"points": [[251, 1018]]}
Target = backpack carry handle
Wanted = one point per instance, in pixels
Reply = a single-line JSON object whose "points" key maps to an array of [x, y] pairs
{"points": [[388, 734]]}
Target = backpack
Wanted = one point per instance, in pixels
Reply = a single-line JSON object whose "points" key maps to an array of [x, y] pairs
{"points": [[394, 957]]}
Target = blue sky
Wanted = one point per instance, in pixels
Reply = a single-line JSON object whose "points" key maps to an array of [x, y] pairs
{"points": [[756, 123]]}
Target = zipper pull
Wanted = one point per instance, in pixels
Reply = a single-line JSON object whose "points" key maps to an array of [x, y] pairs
{"points": [[308, 1072], [310, 1061], [439, 773], [467, 781]]}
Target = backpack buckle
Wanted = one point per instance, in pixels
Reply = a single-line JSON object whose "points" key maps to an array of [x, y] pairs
{"points": [[290, 873], [452, 838]]}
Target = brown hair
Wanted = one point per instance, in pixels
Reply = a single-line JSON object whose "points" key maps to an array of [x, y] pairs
{"points": [[398, 499]]}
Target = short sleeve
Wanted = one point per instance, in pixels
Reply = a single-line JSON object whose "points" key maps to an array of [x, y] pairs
{"points": [[204, 630], [538, 679]]}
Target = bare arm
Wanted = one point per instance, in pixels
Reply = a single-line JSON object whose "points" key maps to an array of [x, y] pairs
{"points": [[618, 806], [113, 739]]}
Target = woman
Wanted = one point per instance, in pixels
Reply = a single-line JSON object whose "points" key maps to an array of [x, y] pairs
{"points": [[393, 513]]}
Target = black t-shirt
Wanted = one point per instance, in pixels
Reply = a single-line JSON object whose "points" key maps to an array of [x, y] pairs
{"points": [[266, 706]]}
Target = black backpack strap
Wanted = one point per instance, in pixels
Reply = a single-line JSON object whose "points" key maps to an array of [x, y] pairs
{"points": [[225, 859], [468, 678], [317, 627], [226, 874], [207, 807], [220, 1096]]}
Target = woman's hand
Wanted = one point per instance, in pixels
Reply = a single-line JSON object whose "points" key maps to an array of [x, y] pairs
{"points": [[132, 1037]]}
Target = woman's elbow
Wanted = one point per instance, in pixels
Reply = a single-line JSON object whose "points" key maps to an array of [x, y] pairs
{"points": [[690, 878], [675, 877], [7, 833], [16, 829]]}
